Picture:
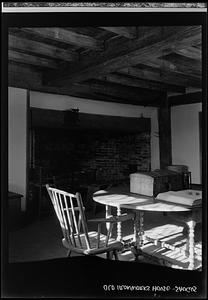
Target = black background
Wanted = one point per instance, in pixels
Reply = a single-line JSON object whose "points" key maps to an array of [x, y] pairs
{"points": [[85, 277]]}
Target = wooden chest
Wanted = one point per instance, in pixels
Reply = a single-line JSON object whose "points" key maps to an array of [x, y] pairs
{"points": [[155, 182]]}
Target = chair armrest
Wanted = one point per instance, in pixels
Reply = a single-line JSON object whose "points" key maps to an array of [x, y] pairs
{"points": [[75, 209], [113, 219]]}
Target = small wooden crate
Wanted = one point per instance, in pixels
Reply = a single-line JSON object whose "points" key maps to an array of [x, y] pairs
{"points": [[155, 182]]}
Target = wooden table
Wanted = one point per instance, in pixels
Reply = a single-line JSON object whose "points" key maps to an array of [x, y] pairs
{"points": [[120, 197]]}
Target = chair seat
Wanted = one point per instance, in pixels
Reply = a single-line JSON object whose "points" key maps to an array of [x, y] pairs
{"points": [[113, 244]]}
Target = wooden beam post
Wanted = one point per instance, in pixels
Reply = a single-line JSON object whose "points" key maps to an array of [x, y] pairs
{"points": [[164, 122]]}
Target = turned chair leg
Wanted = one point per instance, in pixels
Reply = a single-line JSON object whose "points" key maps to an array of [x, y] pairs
{"points": [[69, 253], [110, 255], [115, 253], [135, 252]]}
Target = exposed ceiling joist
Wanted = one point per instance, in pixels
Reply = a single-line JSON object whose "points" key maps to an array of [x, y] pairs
{"points": [[192, 68], [32, 60], [128, 53], [140, 83], [199, 45], [65, 36], [137, 67], [169, 77], [129, 32], [190, 52], [39, 48]]}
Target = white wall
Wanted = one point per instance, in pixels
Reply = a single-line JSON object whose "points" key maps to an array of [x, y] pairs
{"points": [[185, 138], [62, 102], [17, 141]]}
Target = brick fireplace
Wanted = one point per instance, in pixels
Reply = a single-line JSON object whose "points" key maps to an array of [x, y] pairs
{"points": [[97, 150], [102, 156]]}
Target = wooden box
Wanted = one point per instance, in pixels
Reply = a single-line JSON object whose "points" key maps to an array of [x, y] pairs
{"points": [[141, 184], [155, 182]]}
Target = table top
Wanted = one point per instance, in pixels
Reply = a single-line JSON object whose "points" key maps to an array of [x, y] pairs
{"points": [[121, 197]]}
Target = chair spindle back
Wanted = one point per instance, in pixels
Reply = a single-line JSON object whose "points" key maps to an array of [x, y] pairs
{"points": [[70, 213]]}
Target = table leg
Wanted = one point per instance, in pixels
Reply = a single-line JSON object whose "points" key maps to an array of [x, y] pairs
{"points": [[136, 228], [138, 233], [119, 231], [141, 229], [191, 224], [107, 215]]}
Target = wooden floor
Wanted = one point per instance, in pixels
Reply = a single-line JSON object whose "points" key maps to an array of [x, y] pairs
{"points": [[155, 254], [41, 240]]}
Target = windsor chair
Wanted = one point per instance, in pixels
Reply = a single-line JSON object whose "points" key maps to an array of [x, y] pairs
{"points": [[76, 237]]}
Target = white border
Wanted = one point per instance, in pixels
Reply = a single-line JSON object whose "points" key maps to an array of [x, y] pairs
{"points": [[95, 9]]}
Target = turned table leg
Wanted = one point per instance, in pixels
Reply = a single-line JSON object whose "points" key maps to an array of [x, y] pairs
{"points": [[119, 231], [191, 224], [141, 229], [107, 215], [136, 228], [138, 233]]}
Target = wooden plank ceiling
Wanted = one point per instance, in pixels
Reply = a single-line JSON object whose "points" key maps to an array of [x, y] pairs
{"points": [[135, 65]]}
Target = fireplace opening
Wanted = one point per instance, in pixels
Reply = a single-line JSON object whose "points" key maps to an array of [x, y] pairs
{"points": [[76, 158], [91, 156]]}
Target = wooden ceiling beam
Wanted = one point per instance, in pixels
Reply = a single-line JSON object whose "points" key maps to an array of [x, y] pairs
{"points": [[129, 32], [31, 60], [190, 52], [169, 77], [94, 63], [65, 36], [23, 76], [133, 94], [189, 98], [140, 83], [198, 46], [131, 52], [193, 69], [39, 48]]}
